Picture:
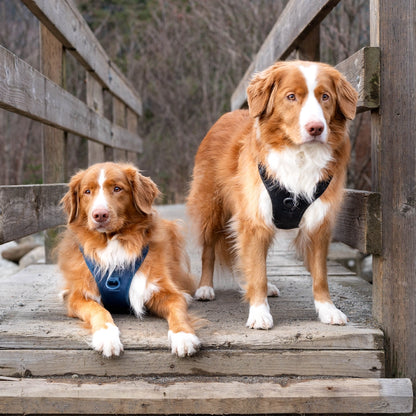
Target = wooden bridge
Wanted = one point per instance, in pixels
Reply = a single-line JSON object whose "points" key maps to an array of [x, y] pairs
{"points": [[301, 365]]}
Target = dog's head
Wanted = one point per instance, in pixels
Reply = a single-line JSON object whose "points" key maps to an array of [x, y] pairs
{"points": [[306, 100], [108, 196]]}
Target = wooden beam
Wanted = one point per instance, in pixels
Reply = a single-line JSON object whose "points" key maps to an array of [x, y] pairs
{"points": [[294, 24], [64, 20], [31, 396], [359, 221], [28, 209], [394, 158], [26, 91]]}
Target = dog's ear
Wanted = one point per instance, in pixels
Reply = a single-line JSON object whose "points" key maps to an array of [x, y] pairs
{"points": [[144, 190], [70, 201], [347, 97], [261, 88]]}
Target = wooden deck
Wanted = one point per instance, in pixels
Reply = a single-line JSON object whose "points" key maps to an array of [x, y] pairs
{"points": [[300, 365]]}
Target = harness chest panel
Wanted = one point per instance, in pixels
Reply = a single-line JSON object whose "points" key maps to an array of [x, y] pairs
{"points": [[114, 288], [287, 209]]}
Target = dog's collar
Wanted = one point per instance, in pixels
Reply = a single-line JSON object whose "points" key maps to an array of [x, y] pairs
{"points": [[114, 288], [288, 209]]}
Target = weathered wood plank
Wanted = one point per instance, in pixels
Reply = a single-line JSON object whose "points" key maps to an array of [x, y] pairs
{"points": [[295, 23], [34, 396], [393, 141], [28, 209], [217, 362], [26, 91], [64, 20], [362, 70], [359, 222]]}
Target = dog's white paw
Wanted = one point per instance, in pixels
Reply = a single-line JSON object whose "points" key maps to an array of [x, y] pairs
{"points": [[107, 341], [272, 290], [260, 317], [329, 314], [205, 293], [183, 343]]}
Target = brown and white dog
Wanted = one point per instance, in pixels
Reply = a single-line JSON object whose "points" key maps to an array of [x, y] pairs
{"points": [[259, 170], [114, 233]]}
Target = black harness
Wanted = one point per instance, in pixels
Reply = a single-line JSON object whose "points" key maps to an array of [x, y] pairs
{"points": [[288, 209]]}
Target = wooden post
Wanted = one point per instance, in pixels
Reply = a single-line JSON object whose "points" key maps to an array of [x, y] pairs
{"points": [[54, 157], [119, 118], [132, 123], [95, 100], [394, 159], [309, 48]]}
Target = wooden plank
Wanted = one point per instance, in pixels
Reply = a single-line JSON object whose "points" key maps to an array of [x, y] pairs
{"points": [[119, 119], [132, 126], [34, 396], [28, 209], [359, 222], [95, 100], [26, 91], [218, 362], [394, 137], [296, 21], [362, 70], [64, 20]]}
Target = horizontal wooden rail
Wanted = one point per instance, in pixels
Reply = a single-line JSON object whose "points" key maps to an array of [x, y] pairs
{"points": [[27, 209], [359, 222], [67, 24], [295, 22], [26, 91]]}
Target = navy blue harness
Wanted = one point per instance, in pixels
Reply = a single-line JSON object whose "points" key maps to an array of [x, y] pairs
{"points": [[114, 288], [288, 209]]}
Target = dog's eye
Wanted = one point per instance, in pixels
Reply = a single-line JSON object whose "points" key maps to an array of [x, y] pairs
{"points": [[291, 97], [117, 189], [87, 192], [325, 97]]}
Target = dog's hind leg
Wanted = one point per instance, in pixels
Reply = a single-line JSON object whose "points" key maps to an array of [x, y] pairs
{"points": [[205, 290]]}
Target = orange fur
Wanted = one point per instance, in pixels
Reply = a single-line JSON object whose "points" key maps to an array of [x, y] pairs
{"points": [[226, 189], [132, 224]]}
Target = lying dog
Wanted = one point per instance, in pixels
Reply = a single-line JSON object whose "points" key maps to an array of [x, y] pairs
{"points": [[280, 165], [118, 255]]}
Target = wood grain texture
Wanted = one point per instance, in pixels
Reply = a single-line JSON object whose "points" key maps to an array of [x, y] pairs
{"points": [[293, 25], [27, 92], [28, 209], [66, 23], [394, 137], [348, 396], [359, 221]]}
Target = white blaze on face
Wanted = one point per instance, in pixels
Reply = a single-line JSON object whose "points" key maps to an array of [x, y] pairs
{"points": [[100, 200], [311, 111]]}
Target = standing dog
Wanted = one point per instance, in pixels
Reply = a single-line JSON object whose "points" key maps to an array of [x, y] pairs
{"points": [[281, 164], [118, 255]]}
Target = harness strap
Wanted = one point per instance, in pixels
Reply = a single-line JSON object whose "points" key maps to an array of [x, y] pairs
{"points": [[114, 288], [288, 209]]}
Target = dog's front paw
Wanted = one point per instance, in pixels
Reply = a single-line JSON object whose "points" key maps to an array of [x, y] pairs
{"points": [[183, 343], [272, 290], [205, 293], [329, 314], [107, 341], [260, 317]]}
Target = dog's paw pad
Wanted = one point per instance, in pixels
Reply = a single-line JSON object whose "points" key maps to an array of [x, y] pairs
{"points": [[328, 313], [107, 341], [205, 293], [183, 343], [260, 317], [272, 290]]}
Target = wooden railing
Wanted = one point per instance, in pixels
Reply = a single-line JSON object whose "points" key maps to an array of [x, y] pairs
{"points": [[42, 96], [382, 222]]}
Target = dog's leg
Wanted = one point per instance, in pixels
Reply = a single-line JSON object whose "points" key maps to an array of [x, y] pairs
{"points": [[105, 334], [316, 251], [205, 290], [252, 247], [174, 308]]}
